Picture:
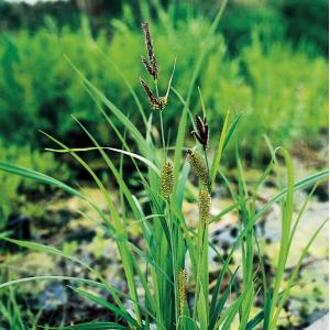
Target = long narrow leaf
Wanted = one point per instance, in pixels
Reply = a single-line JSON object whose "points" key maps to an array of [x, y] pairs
{"points": [[127, 153], [103, 302], [94, 326], [40, 177], [218, 155]]}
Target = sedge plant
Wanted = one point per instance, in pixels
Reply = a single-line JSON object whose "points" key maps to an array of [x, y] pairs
{"points": [[170, 268]]}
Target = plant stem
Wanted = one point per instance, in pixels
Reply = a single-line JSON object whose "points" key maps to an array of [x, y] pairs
{"points": [[208, 169], [170, 228], [162, 133], [161, 120]]}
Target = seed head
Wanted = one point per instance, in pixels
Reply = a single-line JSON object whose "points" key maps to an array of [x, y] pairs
{"points": [[157, 103], [198, 166], [182, 278], [150, 63], [204, 205], [202, 131], [162, 102], [151, 97], [167, 180], [147, 66]]}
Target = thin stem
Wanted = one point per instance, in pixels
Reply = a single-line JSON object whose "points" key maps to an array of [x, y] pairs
{"points": [[170, 228], [161, 121], [156, 88], [208, 169], [200, 243], [162, 133], [201, 253]]}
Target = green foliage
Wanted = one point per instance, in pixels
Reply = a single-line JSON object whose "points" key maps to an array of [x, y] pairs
{"points": [[15, 191], [281, 91], [39, 89], [11, 313], [288, 96]]}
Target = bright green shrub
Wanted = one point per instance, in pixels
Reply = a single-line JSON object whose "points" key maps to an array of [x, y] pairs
{"points": [[280, 93], [272, 85], [289, 95]]}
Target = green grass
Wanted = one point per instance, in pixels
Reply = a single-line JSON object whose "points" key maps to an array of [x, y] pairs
{"points": [[168, 242]]}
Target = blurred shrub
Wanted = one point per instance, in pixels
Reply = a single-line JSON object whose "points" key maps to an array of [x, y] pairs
{"points": [[40, 90], [281, 92], [289, 95], [12, 201]]}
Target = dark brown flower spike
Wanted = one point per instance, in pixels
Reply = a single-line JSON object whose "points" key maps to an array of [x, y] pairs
{"points": [[202, 131], [150, 63], [147, 66], [156, 103]]}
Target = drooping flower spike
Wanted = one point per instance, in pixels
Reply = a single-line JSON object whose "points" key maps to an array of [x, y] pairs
{"points": [[202, 131], [156, 103]]}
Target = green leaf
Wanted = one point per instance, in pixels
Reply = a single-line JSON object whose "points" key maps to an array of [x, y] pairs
{"points": [[287, 212], [98, 95], [51, 277], [229, 314], [218, 306], [103, 302], [255, 321], [292, 278], [37, 176], [218, 154], [301, 184], [46, 249], [94, 326], [48, 180], [179, 145], [123, 152], [231, 131]]}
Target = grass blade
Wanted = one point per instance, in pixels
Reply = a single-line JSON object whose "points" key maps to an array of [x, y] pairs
{"points": [[218, 155], [94, 326], [294, 275], [40, 177], [103, 302]]}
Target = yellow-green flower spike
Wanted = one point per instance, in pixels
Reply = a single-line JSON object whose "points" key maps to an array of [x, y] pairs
{"points": [[204, 204], [167, 180], [182, 278], [198, 166]]}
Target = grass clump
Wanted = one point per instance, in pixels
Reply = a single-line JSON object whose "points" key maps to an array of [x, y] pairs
{"points": [[171, 266]]}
